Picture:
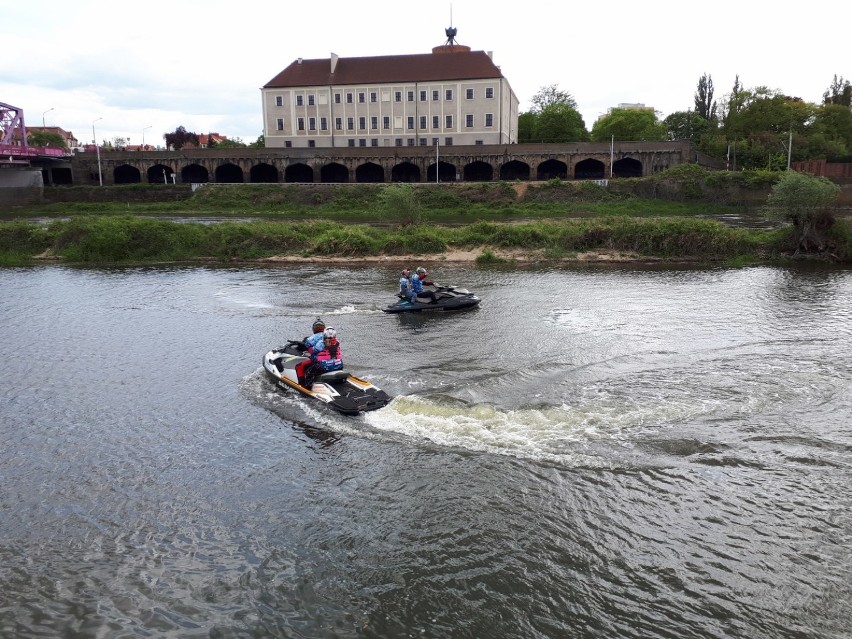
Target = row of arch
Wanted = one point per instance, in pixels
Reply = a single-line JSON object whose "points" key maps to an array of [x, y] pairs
{"points": [[370, 172]]}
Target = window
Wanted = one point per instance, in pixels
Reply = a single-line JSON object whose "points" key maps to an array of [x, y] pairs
{"points": [[436, 95], [374, 142], [410, 141], [411, 122], [397, 121], [312, 124], [448, 95], [362, 142], [348, 98], [350, 124], [374, 97], [436, 121], [279, 100], [422, 141], [299, 100], [434, 141], [411, 96], [449, 122], [397, 96], [386, 122], [468, 94], [398, 142], [489, 119], [489, 92], [324, 124], [448, 141], [385, 96], [468, 120], [478, 142], [351, 142], [422, 121], [337, 98], [362, 97], [374, 122], [280, 123], [338, 124], [288, 144], [311, 100], [362, 122], [312, 143], [423, 96], [301, 124]]}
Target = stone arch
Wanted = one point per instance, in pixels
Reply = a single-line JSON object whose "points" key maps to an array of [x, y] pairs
{"points": [[405, 172], [160, 174], [229, 173], [589, 169], [298, 172], [515, 170], [627, 168], [126, 174], [446, 172], [369, 172], [550, 169], [478, 171], [263, 173], [194, 173], [335, 173]]}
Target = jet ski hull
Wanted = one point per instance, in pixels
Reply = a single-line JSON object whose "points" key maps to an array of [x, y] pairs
{"points": [[448, 298], [340, 390]]}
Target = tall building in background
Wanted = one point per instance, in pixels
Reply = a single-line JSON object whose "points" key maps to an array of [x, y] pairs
{"points": [[452, 96]]}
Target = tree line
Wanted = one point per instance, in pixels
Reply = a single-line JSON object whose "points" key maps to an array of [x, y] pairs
{"points": [[748, 128]]}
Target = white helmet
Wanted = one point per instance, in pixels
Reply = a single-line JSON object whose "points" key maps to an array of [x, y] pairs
{"points": [[329, 333], [421, 270]]}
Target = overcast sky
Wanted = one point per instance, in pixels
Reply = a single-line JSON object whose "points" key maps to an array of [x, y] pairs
{"points": [[153, 66]]}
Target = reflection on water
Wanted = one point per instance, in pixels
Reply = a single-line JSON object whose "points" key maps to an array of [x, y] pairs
{"points": [[594, 451]]}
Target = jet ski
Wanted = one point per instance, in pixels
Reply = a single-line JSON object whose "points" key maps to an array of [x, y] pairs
{"points": [[341, 390], [447, 298]]}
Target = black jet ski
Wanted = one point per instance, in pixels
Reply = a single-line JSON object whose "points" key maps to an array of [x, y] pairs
{"points": [[447, 298], [341, 390]]}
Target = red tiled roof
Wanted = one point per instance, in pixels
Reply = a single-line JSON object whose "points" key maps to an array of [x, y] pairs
{"points": [[425, 67]]}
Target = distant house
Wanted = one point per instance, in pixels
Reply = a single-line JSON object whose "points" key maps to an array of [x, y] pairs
{"points": [[70, 141], [204, 141], [450, 96]]}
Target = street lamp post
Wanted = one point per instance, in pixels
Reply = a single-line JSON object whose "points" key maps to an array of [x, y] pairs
{"points": [[98, 151], [143, 135], [44, 114]]}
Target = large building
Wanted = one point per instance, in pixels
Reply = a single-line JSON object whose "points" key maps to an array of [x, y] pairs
{"points": [[452, 96]]}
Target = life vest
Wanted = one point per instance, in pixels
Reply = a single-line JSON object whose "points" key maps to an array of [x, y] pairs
{"points": [[329, 363]]}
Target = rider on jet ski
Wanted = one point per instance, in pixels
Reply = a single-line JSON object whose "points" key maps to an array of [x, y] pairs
{"points": [[417, 283], [326, 356]]}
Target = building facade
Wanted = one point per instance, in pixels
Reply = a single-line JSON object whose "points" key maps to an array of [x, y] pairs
{"points": [[452, 96]]}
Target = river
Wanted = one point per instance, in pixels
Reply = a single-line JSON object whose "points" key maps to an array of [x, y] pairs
{"points": [[595, 451]]}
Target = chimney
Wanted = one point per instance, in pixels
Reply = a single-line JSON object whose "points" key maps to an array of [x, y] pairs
{"points": [[334, 60], [298, 60]]}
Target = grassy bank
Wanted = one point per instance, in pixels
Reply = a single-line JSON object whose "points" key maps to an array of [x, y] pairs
{"points": [[133, 239], [684, 191]]}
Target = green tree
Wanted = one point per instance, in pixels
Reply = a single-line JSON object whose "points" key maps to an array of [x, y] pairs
{"points": [[839, 92], [686, 125], [46, 138], [559, 122], [259, 143], [549, 95], [526, 126], [705, 107], [179, 138], [808, 202], [629, 124], [228, 143]]}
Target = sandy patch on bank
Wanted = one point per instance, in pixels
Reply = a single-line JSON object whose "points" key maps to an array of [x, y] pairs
{"points": [[516, 256]]}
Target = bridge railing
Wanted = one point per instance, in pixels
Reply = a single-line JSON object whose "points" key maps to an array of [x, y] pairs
{"points": [[31, 151]]}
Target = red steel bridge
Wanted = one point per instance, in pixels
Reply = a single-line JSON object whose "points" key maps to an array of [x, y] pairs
{"points": [[12, 123]]}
